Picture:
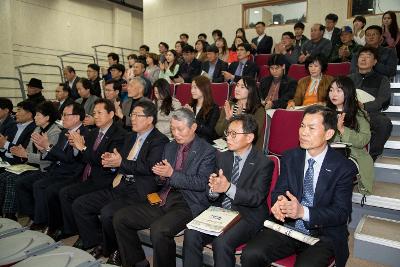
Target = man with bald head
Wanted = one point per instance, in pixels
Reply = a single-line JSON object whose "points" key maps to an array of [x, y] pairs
{"points": [[316, 45]]}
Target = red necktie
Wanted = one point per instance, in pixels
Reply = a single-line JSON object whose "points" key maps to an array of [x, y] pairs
{"points": [[88, 167]]}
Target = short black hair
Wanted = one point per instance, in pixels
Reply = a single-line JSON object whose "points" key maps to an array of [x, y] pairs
{"points": [[260, 22], [321, 27], [202, 34], [27, 105], [47, 108], [277, 59], [113, 56], [70, 69], [246, 46], [94, 67], [85, 83], [212, 48], [333, 17], [65, 87], [323, 61], [185, 35], [77, 109], [108, 105], [217, 32], [164, 44], [134, 56], [290, 34], [362, 19], [145, 47], [149, 109], [369, 49], [299, 25], [119, 67], [249, 124], [117, 84], [6, 103], [188, 49], [375, 27], [329, 116]]}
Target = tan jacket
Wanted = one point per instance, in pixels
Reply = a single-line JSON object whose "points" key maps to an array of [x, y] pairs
{"points": [[302, 87]]}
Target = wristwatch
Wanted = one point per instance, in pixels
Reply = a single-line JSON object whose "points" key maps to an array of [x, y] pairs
{"points": [[49, 148], [84, 149]]}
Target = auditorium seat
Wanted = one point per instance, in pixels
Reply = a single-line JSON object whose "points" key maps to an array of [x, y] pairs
{"points": [[297, 71], [284, 131], [263, 72], [220, 93], [262, 59], [338, 69], [182, 92], [291, 260]]}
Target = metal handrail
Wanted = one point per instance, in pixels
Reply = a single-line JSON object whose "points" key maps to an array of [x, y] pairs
{"points": [[74, 54], [21, 85], [95, 47]]}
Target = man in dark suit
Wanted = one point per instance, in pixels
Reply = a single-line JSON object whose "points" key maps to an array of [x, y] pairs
{"points": [[190, 68], [71, 80], [25, 126], [214, 66], [312, 196], [242, 67], [106, 137], [38, 193], [8, 126], [262, 44], [331, 32], [63, 98], [242, 184], [142, 150], [188, 162]]}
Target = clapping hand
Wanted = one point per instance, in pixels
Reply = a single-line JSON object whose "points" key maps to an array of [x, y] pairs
{"points": [[163, 169], [111, 159], [228, 110], [41, 141], [76, 140], [19, 151], [218, 184]]}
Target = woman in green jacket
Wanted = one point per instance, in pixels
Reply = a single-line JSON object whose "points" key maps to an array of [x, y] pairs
{"points": [[353, 128]]}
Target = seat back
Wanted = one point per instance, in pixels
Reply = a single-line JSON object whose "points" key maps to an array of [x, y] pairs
{"points": [[275, 175], [338, 69], [291, 260], [262, 59], [220, 93], [263, 72], [284, 131], [297, 71], [182, 93]]}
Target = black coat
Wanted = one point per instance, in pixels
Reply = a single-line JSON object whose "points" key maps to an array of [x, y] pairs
{"points": [[220, 66], [206, 126], [265, 45], [287, 89], [250, 69], [8, 127]]}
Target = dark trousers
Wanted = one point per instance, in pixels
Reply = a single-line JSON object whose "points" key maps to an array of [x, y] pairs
{"points": [[224, 246], [68, 195], [269, 246], [164, 223], [24, 191], [381, 129], [87, 208]]}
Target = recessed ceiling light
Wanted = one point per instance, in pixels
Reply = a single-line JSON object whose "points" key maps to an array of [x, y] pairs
{"points": [[256, 11]]}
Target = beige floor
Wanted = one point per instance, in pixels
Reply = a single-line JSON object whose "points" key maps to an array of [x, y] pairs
{"points": [[352, 262]]}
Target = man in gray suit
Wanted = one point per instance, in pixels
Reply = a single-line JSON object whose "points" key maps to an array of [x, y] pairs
{"points": [[188, 162]]}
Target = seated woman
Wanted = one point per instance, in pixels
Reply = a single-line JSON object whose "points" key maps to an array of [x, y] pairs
{"points": [[152, 70], [353, 127], [277, 89], [247, 101], [200, 47], [165, 104], [170, 67], [46, 115], [178, 48], [232, 52], [222, 48], [312, 89], [203, 106]]}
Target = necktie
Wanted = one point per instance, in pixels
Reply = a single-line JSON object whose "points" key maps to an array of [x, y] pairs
{"points": [[88, 167], [178, 167], [239, 69], [227, 202], [131, 156], [307, 199]]}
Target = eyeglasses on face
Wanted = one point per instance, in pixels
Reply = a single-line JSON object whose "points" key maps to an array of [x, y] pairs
{"points": [[232, 133], [135, 115]]}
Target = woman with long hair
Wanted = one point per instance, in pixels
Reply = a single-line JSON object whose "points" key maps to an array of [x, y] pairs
{"points": [[312, 89], [152, 70], [132, 58], [179, 52], [232, 52], [391, 31], [353, 127], [203, 106], [170, 67], [200, 47], [358, 30], [165, 104], [246, 100], [240, 32], [223, 53]]}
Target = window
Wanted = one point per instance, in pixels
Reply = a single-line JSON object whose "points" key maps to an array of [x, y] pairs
{"points": [[371, 7], [274, 12]]}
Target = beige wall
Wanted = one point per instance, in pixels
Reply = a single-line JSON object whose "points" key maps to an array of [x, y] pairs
{"points": [[164, 20]]}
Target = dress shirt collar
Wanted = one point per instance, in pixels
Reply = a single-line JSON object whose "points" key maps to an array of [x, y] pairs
{"points": [[319, 158]]}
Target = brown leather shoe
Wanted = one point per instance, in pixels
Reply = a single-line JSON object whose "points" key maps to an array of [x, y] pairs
{"points": [[115, 258]]}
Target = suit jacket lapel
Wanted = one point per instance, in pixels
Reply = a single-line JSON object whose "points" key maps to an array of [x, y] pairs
{"points": [[193, 152], [300, 174], [248, 167], [105, 138], [170, 154], [324, 177]]}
